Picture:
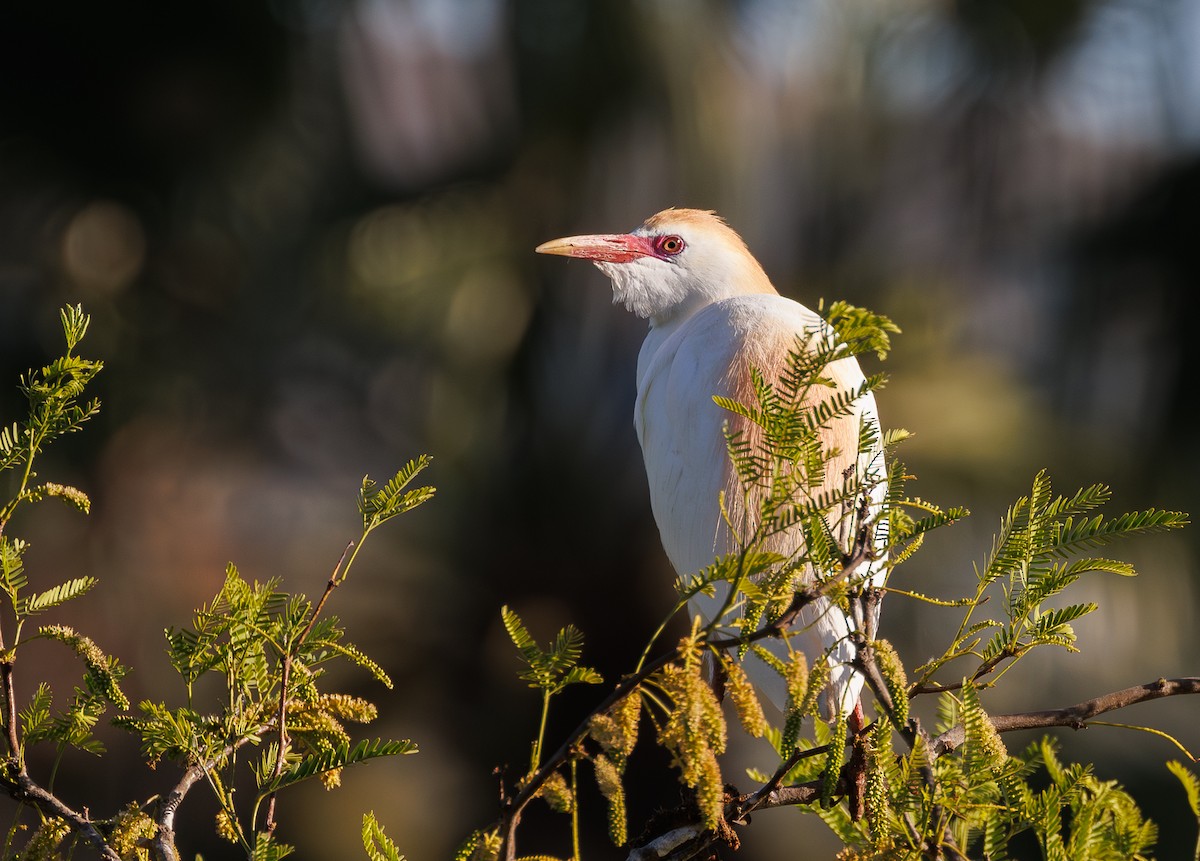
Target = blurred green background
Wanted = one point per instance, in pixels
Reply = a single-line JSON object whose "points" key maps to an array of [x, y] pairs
{"points": [[304, 229]]}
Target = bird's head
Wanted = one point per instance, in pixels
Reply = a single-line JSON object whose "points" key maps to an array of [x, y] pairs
{"points": [[677, 262]]}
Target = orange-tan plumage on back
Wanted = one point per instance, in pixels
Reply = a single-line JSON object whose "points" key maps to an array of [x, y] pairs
{"points": [[713, 316]]}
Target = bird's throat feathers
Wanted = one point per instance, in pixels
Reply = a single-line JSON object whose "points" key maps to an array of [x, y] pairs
{"points": [[715, 264]]}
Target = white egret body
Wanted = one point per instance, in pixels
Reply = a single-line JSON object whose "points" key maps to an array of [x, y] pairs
{"points": [[713, 316]]}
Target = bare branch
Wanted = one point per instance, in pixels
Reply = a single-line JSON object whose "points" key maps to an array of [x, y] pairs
{"points": [[164, 839], [1077, 716], [22, 787]]}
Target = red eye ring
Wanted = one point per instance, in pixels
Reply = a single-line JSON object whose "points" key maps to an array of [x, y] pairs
{"points": [[669, 245]]}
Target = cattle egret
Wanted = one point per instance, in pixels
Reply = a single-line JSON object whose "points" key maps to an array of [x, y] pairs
{"points": [[714, 315]]}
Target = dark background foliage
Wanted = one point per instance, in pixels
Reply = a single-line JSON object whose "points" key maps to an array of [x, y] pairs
{"points": [[304, 231]]}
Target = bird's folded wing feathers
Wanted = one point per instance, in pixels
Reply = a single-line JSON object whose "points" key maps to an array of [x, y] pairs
{"points": [[681, 431]]}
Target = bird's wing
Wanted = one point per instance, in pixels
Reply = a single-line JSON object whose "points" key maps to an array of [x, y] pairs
{"points": [[681, 431]]}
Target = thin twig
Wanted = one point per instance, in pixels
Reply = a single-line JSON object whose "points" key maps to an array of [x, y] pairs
{"points": [[10, 708], [285, 680], [333, 583]]}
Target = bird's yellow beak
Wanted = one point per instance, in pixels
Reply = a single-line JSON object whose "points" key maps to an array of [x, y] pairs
{"points": [[601, 247]]}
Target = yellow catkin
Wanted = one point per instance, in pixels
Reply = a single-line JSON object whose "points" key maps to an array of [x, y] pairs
{"points": [[745, 701], [488, 847], [225, 827], [876, 795], [131, 831], [997, 751], [347, 707], [892, 670], [557, 793], [604, 730], [695, 734], [980, 729], [627, 714], [608, 778], [710, 791], [43, 844], [796, 679]]}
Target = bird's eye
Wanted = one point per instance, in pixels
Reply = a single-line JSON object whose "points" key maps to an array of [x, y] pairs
{"points": [[669, 245]]}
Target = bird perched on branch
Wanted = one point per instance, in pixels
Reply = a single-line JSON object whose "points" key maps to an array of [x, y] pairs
{"points": [[714, 315]]}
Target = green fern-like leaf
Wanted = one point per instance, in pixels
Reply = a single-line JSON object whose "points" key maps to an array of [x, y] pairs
{"points": [[1191, 784], [340, 757], [179, 734], [862, 330], [1084, 534], [935, 519], [377, 845], [74, 324], [35, 717], [58, 595], [267, 848], [380, 505], [552, 670], [1057, 623], [12, 567]]}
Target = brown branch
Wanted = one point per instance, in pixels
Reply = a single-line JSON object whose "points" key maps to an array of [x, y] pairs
{"points": [[1076, 716], [10, 707], [690, 841], [164, 840], [24, 788], [333, 583]]}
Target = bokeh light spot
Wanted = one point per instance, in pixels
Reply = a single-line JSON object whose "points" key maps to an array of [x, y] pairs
{"points": [[103, 247]]}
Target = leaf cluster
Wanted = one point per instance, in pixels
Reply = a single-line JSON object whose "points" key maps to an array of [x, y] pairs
{"points": [[552, 669], [887, 791], [244, 637], [265, 651], [55, 407], [1034, 558]]}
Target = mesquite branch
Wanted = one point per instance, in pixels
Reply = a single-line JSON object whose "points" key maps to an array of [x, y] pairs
{"points": [[690, 841], [512, 807], [1077, 716]]}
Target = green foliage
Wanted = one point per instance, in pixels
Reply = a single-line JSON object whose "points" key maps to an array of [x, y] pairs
{"points": [[376, 844], [1031, 562], [270, 723], [335, 760], [270, 650], [379, 505], [549, 670], [246, 636], [892, 791], [1191, 786], [553, 669], [54, 406], [60, 594]]}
